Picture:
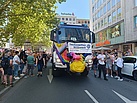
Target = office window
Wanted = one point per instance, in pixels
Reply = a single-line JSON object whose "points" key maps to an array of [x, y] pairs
{"points": [[104, 9], [98, 25], [101, 22], [135, 21], [118, 1], [105, 21], [113, 3], [101, 2], [114, 15], [119, 12], [92, 9], [66, 19], [135, 2], [108, 6], [62, 18], [74, 19], [109, 19], [69, 19]]}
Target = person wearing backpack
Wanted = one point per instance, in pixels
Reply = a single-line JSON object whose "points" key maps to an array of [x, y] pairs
{"points": [[16, 63], [6, 64]]}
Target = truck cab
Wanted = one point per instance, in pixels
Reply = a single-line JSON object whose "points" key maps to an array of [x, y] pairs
{"points": [[68, 40]]}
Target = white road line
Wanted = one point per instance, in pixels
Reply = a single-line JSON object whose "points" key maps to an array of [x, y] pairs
{"points": [[126, 100], [50, 76], [95, 101]]}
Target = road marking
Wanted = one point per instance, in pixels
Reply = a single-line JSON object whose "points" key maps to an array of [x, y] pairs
{"points": [[50, 76], [126, 100], [95, 101]]}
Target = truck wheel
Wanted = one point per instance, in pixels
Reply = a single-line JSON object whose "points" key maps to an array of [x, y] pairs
{"points": [[135, 75], [85, 72]]}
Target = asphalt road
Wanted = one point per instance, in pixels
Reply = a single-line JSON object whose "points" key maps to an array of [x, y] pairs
{"points": [[71, 89]]}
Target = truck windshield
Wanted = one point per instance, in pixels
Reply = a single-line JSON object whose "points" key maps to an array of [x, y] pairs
{"points": [[74, 35]]}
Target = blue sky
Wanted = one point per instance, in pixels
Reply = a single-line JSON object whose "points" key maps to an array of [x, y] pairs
{"points": [[79, 7]]}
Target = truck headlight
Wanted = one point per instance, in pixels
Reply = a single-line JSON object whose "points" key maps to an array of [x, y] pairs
{"points": [[89, 61], [58, 60]]}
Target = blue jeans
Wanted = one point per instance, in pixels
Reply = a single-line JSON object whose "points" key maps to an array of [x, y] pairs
{"points": [[16, 68], [21, 67], [40, 67]]}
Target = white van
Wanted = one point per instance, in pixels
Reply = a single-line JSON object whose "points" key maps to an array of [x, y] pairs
{"points": [[130, 66]]}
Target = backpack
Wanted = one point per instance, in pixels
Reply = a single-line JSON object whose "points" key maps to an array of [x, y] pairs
{"points": [[5, 63]]}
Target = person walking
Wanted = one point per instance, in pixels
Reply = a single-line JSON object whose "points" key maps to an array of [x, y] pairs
{"points": [[101, 67], [40, 62], [30, 64], [23, 59], [7, 64], [16, 64], [95, 64], [1, 70], [119, 63], [109, 63]]}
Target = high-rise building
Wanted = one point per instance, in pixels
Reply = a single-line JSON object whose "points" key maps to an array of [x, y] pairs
{"points": [[115, 23]]}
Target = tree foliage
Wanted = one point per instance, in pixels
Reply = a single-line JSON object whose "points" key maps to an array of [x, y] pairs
{"points": [[27, 20]]}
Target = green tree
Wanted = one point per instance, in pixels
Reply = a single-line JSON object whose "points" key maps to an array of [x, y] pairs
{"points": [[27, 20]]}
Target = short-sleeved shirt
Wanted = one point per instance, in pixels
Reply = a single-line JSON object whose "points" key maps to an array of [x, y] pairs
{"points": [[102, 57], [30, 59], [16, 58]]}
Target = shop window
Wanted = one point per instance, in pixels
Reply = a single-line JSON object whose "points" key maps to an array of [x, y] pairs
{"points": [[115, 31]]}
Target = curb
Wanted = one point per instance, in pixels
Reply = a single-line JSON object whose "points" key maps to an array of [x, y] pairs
{"points": [[8, 87]]}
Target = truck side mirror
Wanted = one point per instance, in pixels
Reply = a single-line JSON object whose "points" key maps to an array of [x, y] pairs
{"points": [[53, 35], [59, 32]]}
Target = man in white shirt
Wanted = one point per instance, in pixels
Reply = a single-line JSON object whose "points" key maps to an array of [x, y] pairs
{"points": [[101, 59], [16, 62]]}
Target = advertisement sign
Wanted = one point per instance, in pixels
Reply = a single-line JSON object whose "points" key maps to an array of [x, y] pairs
{"points": [[79, 47]]}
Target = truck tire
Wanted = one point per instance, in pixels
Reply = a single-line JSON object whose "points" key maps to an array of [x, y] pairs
{"points": [[135, 75], [56, 72], [85, 72]]}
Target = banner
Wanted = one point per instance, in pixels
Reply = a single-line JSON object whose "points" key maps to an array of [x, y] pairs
{"points": [[79, 47]]}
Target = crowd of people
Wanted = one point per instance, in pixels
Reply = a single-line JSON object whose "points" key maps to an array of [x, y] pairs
{"points": [[14, 64], [110, 63]]}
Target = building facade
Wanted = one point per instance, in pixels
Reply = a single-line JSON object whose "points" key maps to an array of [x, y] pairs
{"points": [[68, 18], [114, 23], [83, 21]]}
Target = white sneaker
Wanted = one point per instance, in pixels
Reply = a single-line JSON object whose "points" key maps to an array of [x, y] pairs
{"points": [[22, 74], [116, 77], [16, 78], [106, 74], [121, 80], [111, 76]]}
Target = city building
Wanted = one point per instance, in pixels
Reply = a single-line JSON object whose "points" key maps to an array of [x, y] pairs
{"points": [[68, 18], [83, 21], [115, 23]]}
